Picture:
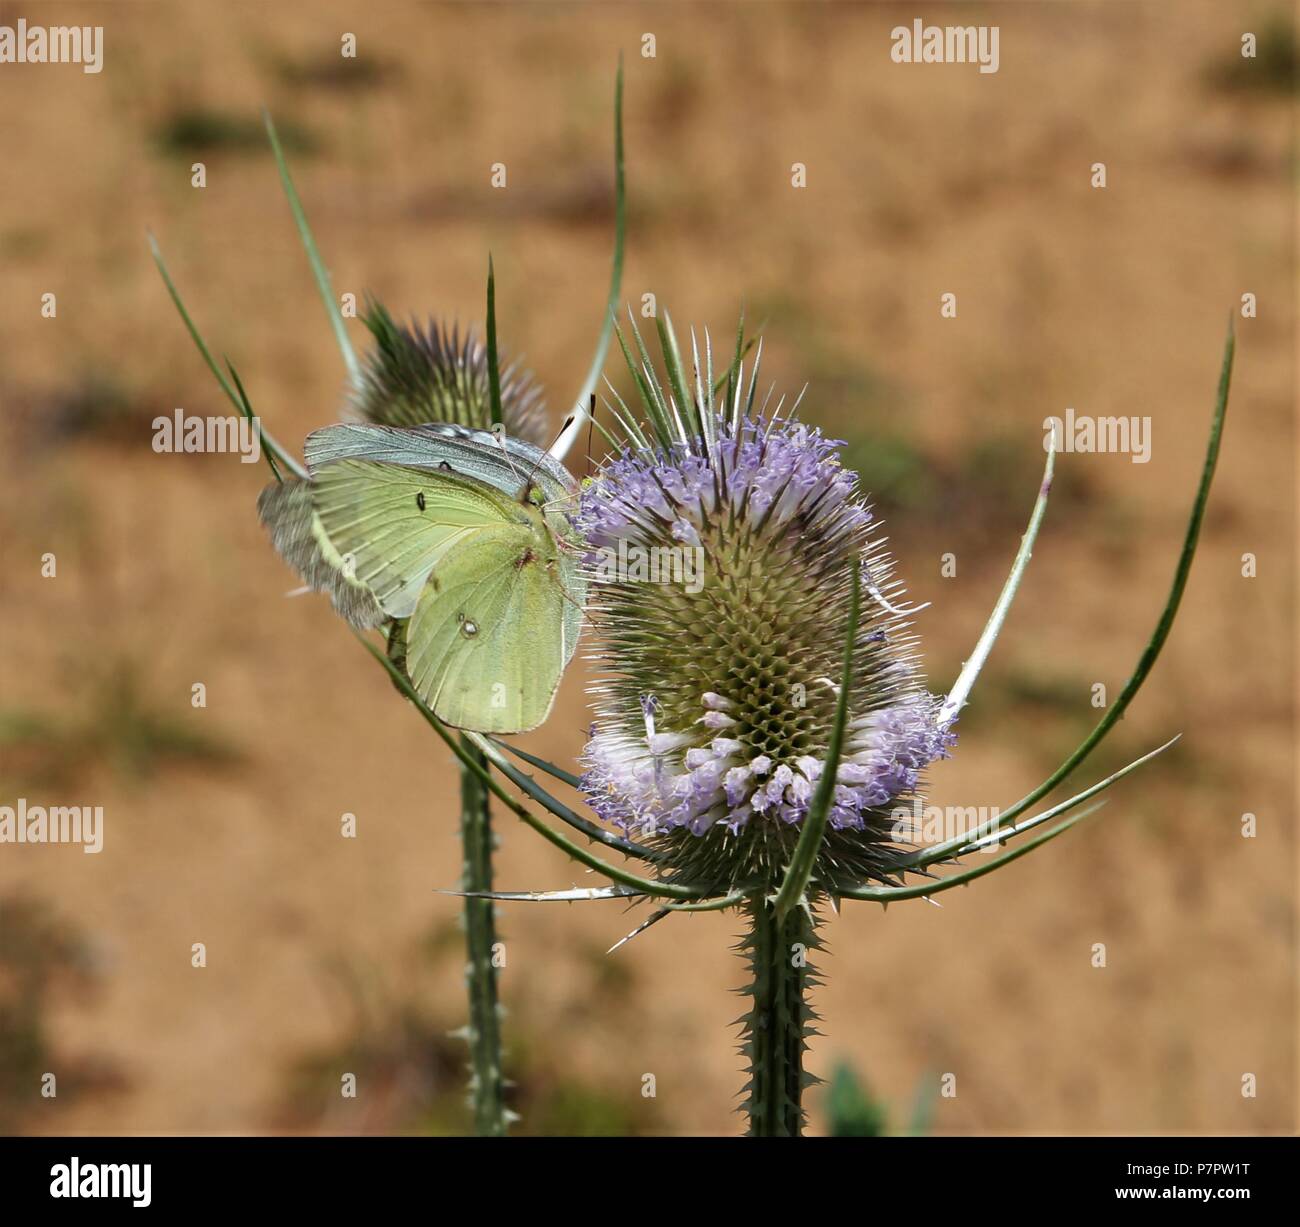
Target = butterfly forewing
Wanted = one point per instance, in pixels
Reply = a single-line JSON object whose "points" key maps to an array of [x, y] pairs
{"points": [[502, 462], [391, 524]]}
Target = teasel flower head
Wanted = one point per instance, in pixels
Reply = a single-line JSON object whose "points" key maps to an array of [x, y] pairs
{"points": [[432, 372], [721, 665]]}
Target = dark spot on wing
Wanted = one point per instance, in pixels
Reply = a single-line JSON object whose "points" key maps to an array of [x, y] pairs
{"points": [[419, 500], [525, 558]]}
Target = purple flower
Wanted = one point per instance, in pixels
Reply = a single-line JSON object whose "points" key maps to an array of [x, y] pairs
{"points": [[715, 707]]}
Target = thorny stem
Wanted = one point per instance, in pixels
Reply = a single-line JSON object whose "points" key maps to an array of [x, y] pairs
{"points": [[483, 1032], [776, 1030]]}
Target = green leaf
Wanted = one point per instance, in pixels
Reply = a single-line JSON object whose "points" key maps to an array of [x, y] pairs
{"points": [[1166, 620], [248, 413], [923, 890], [268, 441], [313, 258], [970, 671], [620, 237], [999, 829], [686, 407], [575, 895], [534, 790]]}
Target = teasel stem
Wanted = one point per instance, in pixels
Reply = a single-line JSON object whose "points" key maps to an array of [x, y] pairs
{"points": [[483, 1031], [781, 934], [780, 1019]]}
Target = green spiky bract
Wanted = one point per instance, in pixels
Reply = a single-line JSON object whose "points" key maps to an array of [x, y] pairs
{"points": [[435, 373]]}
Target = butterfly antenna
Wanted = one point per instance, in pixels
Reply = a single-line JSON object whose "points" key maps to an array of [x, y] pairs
{"points": [[499, 434], [561, 500], [537, 464]]}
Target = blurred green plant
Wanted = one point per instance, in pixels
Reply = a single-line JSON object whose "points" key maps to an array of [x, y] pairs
{"points": [[914, 491], [400, 1048], [200, 129], [120, 727], [853, 1112], [40, 955], [1030, 696], [1272, 70], [576, 1110], [96, 404], [332, 72]]}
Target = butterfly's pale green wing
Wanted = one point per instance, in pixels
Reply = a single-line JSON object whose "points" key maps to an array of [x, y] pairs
{"points": [[289, 513], [493, 630], [428, 525], [391, 525], [570, 574], [286, 510], [503, 463]]}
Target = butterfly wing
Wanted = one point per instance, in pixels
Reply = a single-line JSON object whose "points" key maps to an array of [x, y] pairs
{"points": [[490, 635], [500, 462], [391, 524], [425, 524], [573, 583], [286, 510]]}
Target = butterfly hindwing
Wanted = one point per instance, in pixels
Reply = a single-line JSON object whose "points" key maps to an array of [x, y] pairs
{"points": [[489, 638]]}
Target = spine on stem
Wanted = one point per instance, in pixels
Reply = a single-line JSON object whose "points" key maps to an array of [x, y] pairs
{"points": [[775, 1032]]}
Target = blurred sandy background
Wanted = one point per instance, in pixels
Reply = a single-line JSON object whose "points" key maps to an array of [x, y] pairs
{"points": [[328, 955]]}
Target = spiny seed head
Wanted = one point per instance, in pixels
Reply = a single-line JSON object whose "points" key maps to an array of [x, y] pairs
{"points": [[430, 373], [717, 697]]}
